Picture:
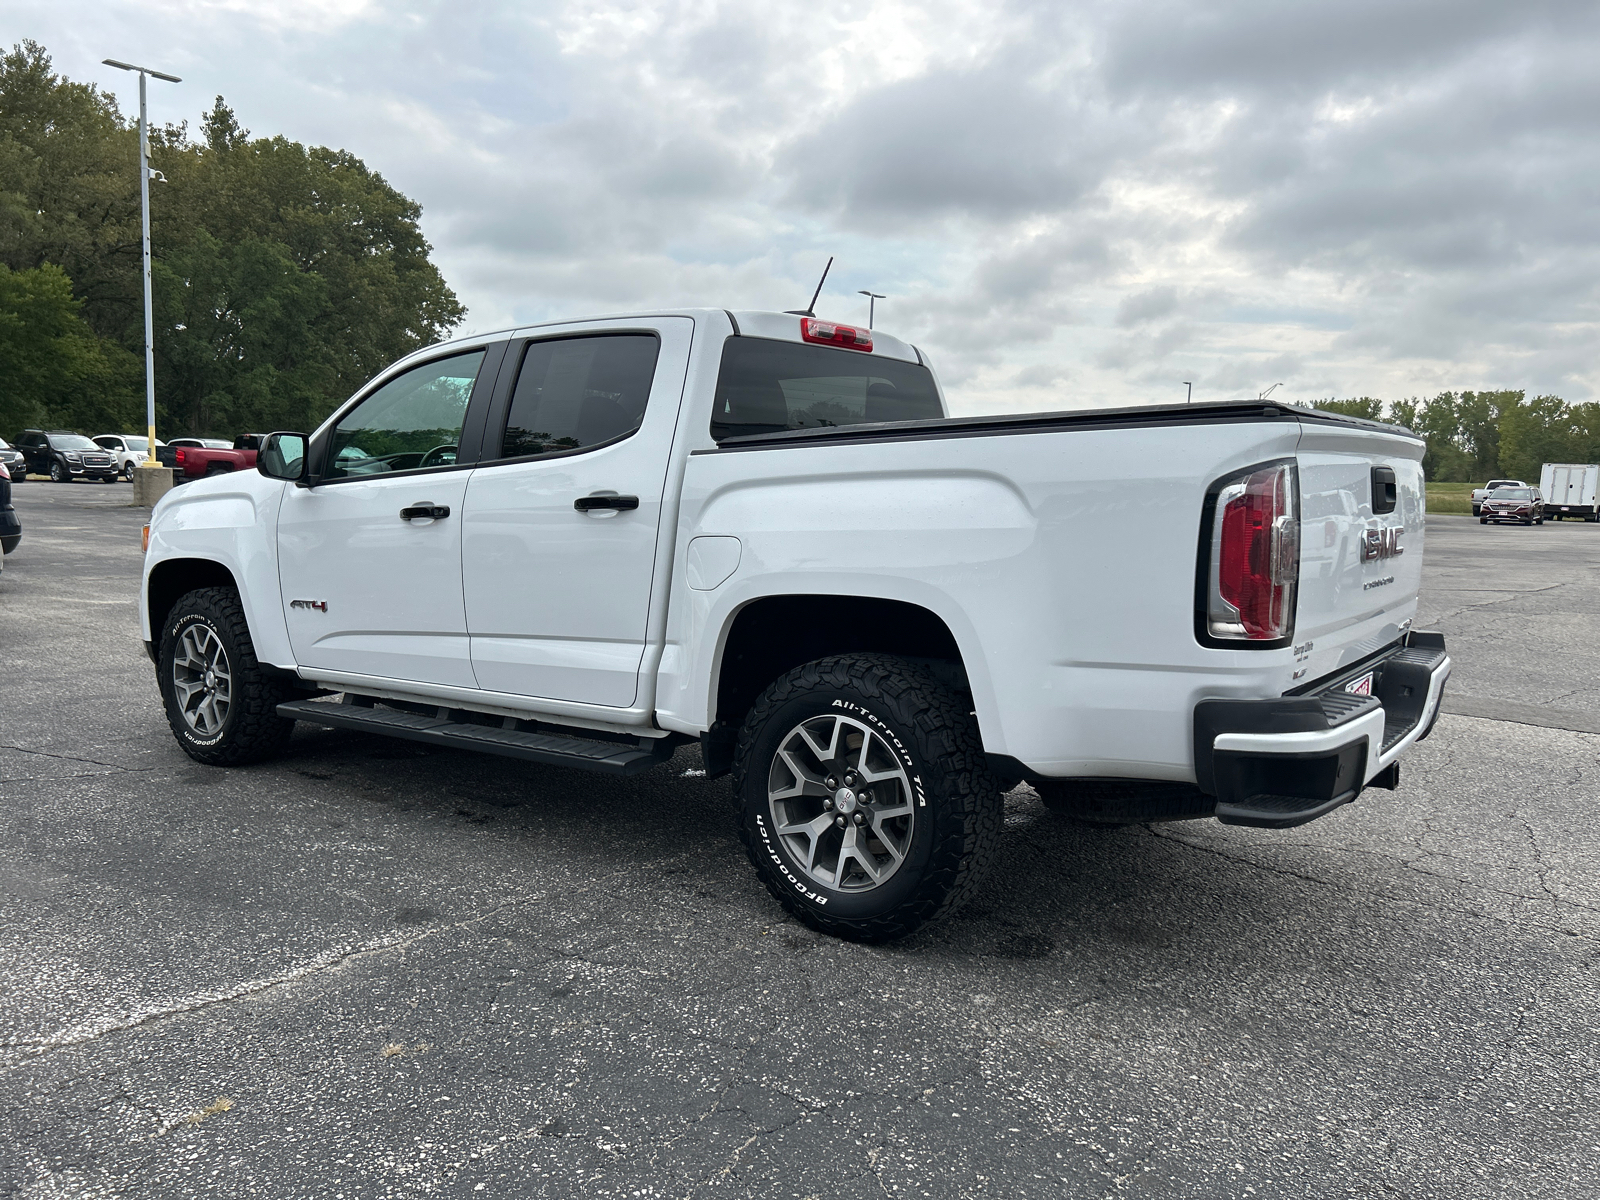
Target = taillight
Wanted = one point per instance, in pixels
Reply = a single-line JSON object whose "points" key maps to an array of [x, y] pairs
{"points": [[177, 456], [826, 333], [1254, 555]]}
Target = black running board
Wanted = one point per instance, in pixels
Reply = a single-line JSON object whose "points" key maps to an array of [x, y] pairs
{"points": [[588, 754]]}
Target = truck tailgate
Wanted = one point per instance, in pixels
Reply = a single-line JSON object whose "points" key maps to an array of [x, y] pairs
{"points": [[1360, 566]]}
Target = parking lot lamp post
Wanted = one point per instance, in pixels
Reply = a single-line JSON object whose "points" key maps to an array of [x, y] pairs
{"points": [[144, 218], [1188, 397], [872, 304], [1269, 391]]}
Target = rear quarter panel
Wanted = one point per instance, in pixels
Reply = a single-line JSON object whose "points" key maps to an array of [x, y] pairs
{"points": [[1063, 562]]}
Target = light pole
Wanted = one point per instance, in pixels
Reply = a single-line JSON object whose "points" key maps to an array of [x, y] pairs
{"points": [[1188, 397], [1269, 391], [144, 217], [872, 304]]}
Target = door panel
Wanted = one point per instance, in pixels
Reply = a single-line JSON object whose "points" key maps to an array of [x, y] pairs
{"points": [[557, 600], [365, 589], [392, 588]]}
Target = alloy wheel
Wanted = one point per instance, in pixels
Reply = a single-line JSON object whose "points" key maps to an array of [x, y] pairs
{"points": [[202, 679], [840, 799]]}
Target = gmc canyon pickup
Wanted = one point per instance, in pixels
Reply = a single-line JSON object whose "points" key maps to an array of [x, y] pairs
{"points": [[587, 543]]}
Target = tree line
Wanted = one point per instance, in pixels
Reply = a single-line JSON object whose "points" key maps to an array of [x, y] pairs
{"points": [[283, 275], [1473, 436]]}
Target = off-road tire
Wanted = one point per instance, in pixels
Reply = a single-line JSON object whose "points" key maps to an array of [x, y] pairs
{"points": [[252, 730], [1111, 803], [958, 807]]}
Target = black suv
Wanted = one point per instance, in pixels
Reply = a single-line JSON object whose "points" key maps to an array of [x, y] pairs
{"points": [[66, 456]]}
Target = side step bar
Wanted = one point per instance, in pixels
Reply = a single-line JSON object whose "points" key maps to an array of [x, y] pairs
{"points": [[588, 754]]}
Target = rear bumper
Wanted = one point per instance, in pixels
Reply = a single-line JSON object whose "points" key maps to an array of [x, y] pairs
{"points": [[1283, 762]]}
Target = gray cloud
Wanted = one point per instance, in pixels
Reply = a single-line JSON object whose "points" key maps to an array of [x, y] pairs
{"points": [[1066, 204]]}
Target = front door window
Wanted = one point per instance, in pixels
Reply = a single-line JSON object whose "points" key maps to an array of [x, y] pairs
{"points": [[411, 423]]}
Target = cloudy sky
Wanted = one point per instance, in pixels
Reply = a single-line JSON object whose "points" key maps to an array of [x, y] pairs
{"points": [[1067, 204]]}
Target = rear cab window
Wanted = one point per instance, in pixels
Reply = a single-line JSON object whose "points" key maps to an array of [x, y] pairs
{"points": [[579, 393], [769, 386]]}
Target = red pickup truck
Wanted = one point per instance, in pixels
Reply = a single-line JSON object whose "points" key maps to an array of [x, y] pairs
{"points": [[194, 458]]}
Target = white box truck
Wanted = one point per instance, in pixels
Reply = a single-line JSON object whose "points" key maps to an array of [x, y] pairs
{"points": [[1569, 490]]}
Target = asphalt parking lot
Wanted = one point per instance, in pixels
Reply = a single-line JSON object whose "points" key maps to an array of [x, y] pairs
{"points": [[375, 969]]}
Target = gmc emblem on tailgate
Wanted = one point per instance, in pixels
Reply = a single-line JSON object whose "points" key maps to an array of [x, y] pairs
{"points": [[1381, 543]]}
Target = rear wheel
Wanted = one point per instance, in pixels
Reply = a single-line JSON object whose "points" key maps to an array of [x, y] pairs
{"points": [[222, 706], [865, 800], [215, 469]]}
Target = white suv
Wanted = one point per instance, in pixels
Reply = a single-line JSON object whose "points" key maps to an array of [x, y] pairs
{"points": [[128, 449]]}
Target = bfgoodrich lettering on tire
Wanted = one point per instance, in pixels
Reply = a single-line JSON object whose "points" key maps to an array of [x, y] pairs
{"points": [[221, 705], [864, 798]]}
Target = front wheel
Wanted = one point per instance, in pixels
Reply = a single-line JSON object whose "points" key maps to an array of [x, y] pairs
{"points": [[865, 800], [58, 473], [127, 471], [222, 706], [1483, 520]]}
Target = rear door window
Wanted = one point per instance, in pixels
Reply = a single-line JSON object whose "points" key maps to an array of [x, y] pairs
{"points": [[579, 393], [768, 386]]}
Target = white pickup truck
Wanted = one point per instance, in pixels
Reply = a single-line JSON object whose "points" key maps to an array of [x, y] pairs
{"points": [[587, 543]]}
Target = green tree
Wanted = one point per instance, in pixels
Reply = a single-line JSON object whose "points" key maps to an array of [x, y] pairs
{"points": [[52, 366], [1533, 433], [1478, 414], [284, 276], [69, 188]]}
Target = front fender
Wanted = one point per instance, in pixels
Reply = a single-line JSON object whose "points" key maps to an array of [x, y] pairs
{"points": [[230, 520]]}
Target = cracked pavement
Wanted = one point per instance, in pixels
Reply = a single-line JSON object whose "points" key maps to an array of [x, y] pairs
{"points": [[421, 972]]}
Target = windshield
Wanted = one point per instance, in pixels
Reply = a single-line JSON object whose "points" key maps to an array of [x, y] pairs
{"points": [[71, 441], [4, 445], [1512, 494], [134, 443], [768, 386]]}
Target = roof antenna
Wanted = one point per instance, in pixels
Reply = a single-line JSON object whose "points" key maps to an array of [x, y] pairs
{"points": [[810, 309]]}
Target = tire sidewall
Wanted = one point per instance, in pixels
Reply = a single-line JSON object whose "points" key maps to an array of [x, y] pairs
{"points": [[172, 631], [782, 873]]}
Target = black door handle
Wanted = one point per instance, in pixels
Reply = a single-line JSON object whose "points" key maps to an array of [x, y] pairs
{"points": [[425, 512], [620, 503]]}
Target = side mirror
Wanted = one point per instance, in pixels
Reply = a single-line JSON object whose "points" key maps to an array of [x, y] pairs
{"points": [[283, 456]]}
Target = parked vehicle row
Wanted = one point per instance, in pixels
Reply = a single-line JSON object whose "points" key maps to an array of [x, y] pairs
{"points": [[65, 456]]}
